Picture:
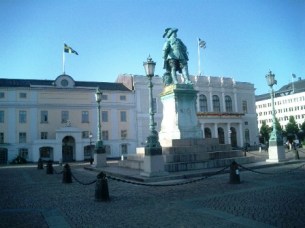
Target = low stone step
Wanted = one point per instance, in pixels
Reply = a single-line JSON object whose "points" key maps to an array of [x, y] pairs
{"points": [[186, 166]]}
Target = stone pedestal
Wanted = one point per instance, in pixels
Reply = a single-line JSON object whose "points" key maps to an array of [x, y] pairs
{"points": [[276, 153], [276, 149], [153, 166], [179, 114], [100, 160]]}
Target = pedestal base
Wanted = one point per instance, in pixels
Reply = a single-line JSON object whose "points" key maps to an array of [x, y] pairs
{"points": [[179, 114], [153, 166], [99, 160], [276, 154]]}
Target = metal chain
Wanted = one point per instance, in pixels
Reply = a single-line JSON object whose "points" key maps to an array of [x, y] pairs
{"points": [[166, 185], [80, 182], [279, 173]]}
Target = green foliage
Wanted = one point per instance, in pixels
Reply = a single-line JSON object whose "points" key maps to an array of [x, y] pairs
{"points": [[264, 132], [19, 160], [292, 129]]}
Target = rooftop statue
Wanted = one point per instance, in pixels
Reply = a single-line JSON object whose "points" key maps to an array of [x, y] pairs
{"points": [[175, 57]]}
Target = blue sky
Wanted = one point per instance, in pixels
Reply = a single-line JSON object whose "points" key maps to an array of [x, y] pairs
{"points": [[244, 38]]}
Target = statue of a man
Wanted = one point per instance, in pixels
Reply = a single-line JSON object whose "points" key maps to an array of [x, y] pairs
{"points": [[175, 57]]}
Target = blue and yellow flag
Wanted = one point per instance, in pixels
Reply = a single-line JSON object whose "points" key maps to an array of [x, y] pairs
{"points": [[70, 50]]}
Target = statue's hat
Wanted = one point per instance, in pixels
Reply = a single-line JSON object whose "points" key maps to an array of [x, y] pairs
{"points": [[169, 31]]}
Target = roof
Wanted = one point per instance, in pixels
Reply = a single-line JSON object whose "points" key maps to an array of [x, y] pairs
{"points": [[5, 82], [288, 89]]}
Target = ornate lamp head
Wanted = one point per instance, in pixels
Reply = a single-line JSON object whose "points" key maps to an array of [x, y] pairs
{"points": [[270, 79], [149, 67], [98, 95]]}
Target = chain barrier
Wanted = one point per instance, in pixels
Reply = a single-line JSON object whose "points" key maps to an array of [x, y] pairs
{"points": [[265, 173], [80, 182], [166, 185], [61, 172], [257, 155]]}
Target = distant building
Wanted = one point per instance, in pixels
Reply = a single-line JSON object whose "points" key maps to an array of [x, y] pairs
{"points": [[53, 119], [289, 101]]}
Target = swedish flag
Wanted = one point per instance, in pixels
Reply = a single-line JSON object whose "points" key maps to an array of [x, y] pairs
{"points": [[70, 50]]}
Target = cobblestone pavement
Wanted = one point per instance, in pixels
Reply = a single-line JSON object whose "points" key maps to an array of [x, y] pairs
{"points": [[31, 198]]}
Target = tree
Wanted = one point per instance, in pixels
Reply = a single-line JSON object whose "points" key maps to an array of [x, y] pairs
{"points": [[292, 129], [264, 132], [278, 126]]}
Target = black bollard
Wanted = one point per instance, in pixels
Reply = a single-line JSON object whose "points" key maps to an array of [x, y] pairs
{"points": [[49, 167], [234, 173], [40, 164], [296, 154], [101, 188], [66, 174]]}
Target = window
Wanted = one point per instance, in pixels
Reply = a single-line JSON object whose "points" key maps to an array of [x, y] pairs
{"points": [[216, 103], [245, 106], [23, 152], [104, 116], [22, 95], [1, 137], [123, 116], [228, 102], [85, 117], [123, 134], [44, 135], [2, 95], [104, 97], [108, 149], [247, 135], [203, 104], [105, 135], [124, 149], [22, 116], [44, 116], [22, 137], [1, 116], [64, 116], [154, 105], [85, 134], [122, 97]]}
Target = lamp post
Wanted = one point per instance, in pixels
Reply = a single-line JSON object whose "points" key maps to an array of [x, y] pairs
{"points": [[153, 146], [276, 150], [91, 157], [153, 160], [99, 151]]}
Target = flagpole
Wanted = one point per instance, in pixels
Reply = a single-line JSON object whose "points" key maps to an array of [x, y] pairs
{"points": [[63, 61], [198, 45]]}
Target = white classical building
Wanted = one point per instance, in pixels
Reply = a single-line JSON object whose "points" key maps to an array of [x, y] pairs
{"points": [[54, 119], [289, 101]]}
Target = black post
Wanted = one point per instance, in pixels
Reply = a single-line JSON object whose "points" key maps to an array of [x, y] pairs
{"points": [[234, 173], [66, 174], [49, 167], [40, 164], [101, 188]]}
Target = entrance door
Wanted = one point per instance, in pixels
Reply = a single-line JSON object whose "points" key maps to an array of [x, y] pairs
{"points": [[233, 137], [68, 149], [67, 153], [3, 155]]}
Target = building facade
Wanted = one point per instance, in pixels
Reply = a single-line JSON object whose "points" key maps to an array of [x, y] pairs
{"points": [[57, 119], [289, 101]]}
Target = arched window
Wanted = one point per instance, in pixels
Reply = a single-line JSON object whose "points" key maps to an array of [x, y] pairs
{"points": [[216, 103], [207, 133], [203, 104], [228, 102], [221, 136]]}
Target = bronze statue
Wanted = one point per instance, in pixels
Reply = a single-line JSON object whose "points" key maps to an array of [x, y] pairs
{"points": [[175, 57]]}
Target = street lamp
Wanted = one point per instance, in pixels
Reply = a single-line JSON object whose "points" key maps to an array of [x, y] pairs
{"points": [[153, 164], [99, 155], [153, 146], [90, 138], [276, 149]]}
